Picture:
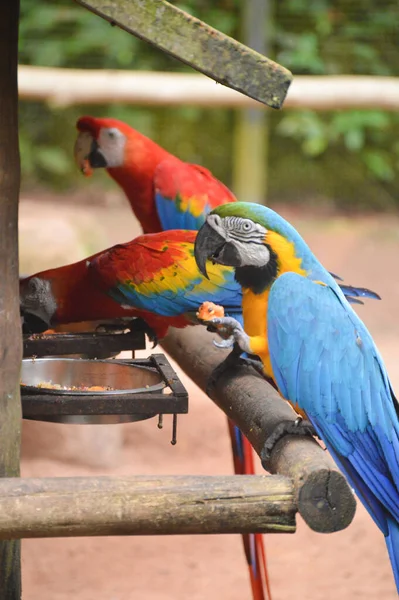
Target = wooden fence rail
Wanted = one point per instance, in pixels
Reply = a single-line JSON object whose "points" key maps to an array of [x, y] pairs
{"points": [[65, 87]]}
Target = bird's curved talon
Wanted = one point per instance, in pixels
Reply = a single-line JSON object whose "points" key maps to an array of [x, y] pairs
{"points": [[298, 427], [140, 325], [252, 362], [110, 328], [229, 343]]}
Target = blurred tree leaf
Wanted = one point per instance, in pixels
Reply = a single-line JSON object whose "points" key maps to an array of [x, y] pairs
{"points": [[379, 163]]}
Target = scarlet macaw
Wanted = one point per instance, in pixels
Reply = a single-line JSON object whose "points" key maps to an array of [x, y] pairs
{"points": [[164, 191], [153, 277], [315, 348]]}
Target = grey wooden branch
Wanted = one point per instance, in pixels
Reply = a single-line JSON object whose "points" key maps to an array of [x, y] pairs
{"points": [[197, 44], [323, 496], [167, 505]]}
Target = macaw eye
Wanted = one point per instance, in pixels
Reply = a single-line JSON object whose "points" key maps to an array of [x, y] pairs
{"points": [[112, 133], [246, 226]]}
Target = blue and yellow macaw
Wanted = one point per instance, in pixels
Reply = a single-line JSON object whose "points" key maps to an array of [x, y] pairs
{"points": [[315, 348]]}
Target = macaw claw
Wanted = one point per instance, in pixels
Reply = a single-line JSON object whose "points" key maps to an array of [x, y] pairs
{"points": [[137, 324], [111, 328], [227, 343], [298, 427], [234, 359], [140, 325], [231, 361]]}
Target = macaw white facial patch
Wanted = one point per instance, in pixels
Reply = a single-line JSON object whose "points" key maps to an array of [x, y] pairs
{"points": [[111, 144]]}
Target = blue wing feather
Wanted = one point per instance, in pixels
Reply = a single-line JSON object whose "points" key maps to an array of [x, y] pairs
{"points": [[173, 218], [330, 366]]}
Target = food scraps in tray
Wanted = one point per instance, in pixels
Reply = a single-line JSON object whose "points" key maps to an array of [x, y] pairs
{"points": [[73, 388]]}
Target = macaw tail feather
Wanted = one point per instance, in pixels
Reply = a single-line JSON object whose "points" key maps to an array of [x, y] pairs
{"points": [[353, 292], [392, 542], [254, 548]]}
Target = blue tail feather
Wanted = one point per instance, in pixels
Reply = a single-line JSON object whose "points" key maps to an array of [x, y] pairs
{"points": [[392, 542], [358, 292]]}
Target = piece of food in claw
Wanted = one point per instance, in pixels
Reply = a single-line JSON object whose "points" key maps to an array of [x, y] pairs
{"points": [[209, 310]]}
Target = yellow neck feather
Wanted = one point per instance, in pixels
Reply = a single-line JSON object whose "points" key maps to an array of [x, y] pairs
{"points": [[254, 306]]}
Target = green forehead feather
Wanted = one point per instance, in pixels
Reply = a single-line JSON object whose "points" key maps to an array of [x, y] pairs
{"points": [[245, 210]]}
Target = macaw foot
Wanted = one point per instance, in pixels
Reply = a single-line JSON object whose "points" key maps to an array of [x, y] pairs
{"points": [[298, 427], [255, 363], [231, 361], [231, 332], [227, 343], [111, 327], [140, 325]]}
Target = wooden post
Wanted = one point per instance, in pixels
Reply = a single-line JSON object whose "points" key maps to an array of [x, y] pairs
{"points": [[10, 327], [250, 132], [165, 505], [324, 498]]}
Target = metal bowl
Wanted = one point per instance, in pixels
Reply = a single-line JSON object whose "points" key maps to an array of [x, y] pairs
{"points": [[121, 377]]}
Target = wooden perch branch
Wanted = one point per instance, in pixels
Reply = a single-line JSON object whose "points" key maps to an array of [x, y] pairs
{"points": [[200, 46], [323, 496], [81, 506], [65, 87]]}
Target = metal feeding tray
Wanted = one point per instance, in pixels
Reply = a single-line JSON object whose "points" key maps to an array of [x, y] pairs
{"points": [[93, 344], [141, 389]]}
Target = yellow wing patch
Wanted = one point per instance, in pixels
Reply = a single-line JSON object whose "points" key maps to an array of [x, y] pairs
{"points": [[182, 276]]}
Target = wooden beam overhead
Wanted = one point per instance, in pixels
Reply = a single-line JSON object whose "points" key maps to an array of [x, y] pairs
{"points": [[198, 45]]}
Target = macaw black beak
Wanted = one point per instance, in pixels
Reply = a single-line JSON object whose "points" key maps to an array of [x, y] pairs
{"points": [[32, 323], [208, 243], [211, 245], [96, 158]]}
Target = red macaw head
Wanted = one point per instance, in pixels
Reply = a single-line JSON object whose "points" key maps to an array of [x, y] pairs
{"points": [[111, 144], [100, 143]]}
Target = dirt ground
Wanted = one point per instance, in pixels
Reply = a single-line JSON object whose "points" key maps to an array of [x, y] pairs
{"points": [[346, 565]]}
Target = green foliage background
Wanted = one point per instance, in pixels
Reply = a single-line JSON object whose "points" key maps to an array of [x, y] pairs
{"points": [[349, 158]]}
